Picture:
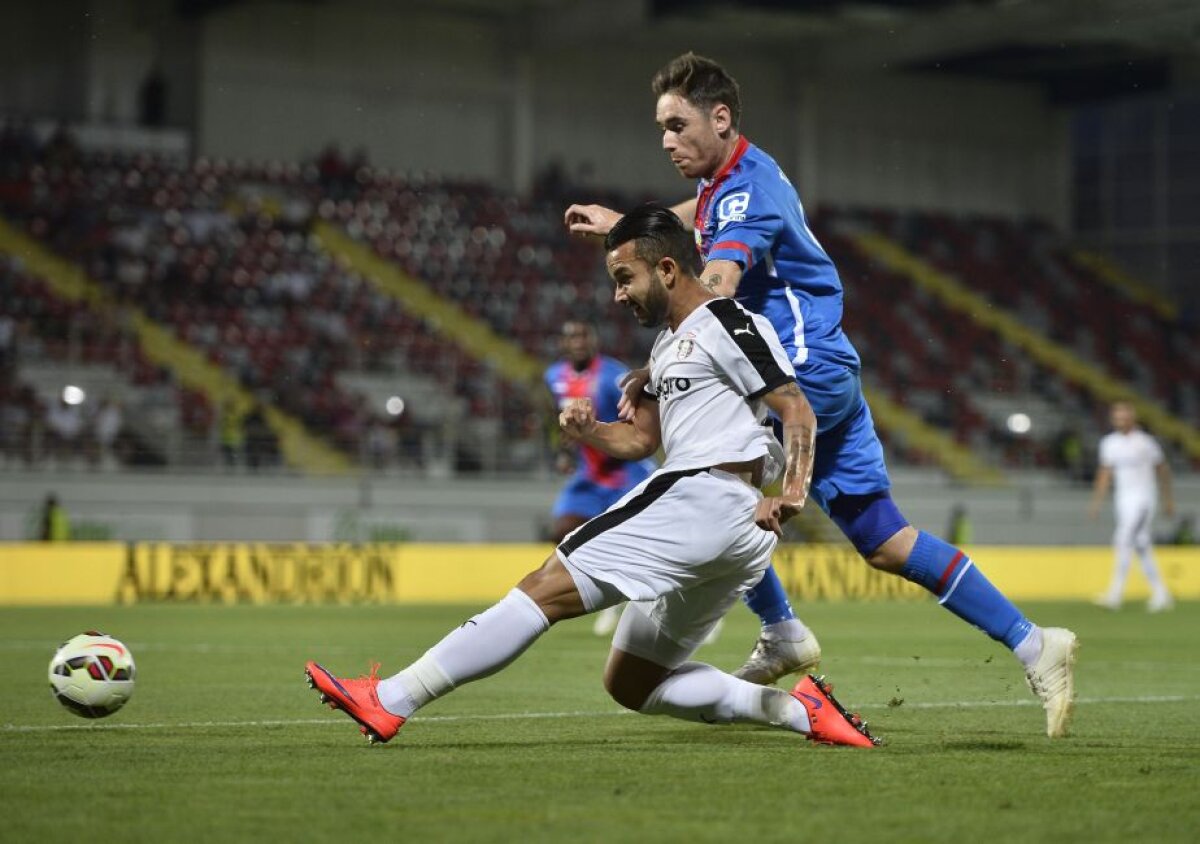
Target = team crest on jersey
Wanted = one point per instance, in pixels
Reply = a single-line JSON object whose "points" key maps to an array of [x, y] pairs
{"points": [[685, 346], [733, 208]]}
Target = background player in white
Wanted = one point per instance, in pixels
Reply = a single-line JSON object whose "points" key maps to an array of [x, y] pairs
{"points": [[683, 545], [1132, 463]]}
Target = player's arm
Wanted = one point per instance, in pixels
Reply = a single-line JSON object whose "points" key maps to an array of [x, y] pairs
{"points": [[596, 220], [634, 440], [1100, 487], [799, 447], [722, 277], [686, 212], [1166, 493]]}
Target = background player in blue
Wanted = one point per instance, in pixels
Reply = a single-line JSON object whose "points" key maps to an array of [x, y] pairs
{"points": [[598, 480], [751, 230]]}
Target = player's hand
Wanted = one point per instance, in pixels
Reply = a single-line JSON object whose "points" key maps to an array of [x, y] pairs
{"points": [[577, 419], [632, 384], [772, 512], [595, 220]]}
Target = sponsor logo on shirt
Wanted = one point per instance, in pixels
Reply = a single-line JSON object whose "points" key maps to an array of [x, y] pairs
{"points": [[733, 209], [668, 387]]}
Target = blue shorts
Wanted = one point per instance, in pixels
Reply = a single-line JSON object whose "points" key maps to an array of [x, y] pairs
{"points": [[849, 455], [587, 499], [850, 480]]}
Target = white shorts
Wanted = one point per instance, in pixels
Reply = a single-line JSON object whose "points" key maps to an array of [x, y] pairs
{"points": [[684, 541]]}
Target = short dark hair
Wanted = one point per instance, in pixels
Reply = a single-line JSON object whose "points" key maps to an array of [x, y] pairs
{"points": [[700, 81], [657, 233]]}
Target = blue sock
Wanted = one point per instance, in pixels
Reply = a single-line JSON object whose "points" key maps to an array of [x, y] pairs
{"points": [[964, 590], [768, 601]]}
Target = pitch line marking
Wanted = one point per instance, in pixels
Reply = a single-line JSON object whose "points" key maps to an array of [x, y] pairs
{"points": [[521, 716]]}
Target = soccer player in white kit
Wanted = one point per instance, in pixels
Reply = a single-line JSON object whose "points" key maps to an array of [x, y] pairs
{"points": [[1131, 461], [683, 545]]}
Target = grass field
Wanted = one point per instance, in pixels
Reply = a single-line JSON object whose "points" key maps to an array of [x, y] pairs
{"points": [[223, 741]]}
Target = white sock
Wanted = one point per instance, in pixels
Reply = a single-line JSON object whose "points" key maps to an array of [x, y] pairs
{"points": [[698, 692], [479, 648], [1030, 647], [791, 630]]}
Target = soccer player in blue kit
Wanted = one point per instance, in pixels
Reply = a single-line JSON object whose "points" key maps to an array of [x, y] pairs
{"points": [[757, 247]]}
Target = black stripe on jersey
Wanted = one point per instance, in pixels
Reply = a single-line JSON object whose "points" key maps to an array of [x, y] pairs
{"points": [[736, 322], [610, 519]]}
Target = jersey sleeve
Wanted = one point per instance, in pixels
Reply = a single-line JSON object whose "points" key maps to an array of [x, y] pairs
{"points": [[748, 351], [748, 222], [1106, 452]]}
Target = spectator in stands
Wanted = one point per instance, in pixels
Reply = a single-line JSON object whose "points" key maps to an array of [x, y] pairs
{"points": [[231, 435], [106, 427], [1185, 531], [960, 530], [65, 424], [56, 527], [261, 447], [381, 442]]}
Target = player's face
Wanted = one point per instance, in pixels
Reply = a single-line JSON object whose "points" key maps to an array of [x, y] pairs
{"points": [[578, 342], [691, 136], [1122, 417], [638, 286]]}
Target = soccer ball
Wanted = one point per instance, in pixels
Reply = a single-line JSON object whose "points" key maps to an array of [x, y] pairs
{"points": [[92, 675]]}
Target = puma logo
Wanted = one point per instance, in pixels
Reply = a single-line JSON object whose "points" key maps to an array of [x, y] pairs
{"points": [[745, 330]]}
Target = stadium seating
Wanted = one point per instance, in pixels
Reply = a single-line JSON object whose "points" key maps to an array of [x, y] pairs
{"points": [[223, 254]]}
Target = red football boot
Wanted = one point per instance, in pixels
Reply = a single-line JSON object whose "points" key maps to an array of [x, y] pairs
{"points": [[357, 699], [831, 723]]}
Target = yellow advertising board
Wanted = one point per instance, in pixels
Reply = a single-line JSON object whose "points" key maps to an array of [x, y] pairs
{"points": [[107, 573]]}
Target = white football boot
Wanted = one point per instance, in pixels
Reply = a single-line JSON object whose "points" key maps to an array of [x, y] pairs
{"points": [[1161, 602], [1052, 678], [774, 658]]}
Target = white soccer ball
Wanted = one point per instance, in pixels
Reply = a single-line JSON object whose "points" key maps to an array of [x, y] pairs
{"points": [[92, 675]]}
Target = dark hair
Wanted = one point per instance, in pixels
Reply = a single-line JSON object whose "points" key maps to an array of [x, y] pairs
{"points": [[657, 233], [700, 81]]}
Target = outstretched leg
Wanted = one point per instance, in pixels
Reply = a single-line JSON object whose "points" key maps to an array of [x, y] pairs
{"points": [[478, 648], [961, 587]]}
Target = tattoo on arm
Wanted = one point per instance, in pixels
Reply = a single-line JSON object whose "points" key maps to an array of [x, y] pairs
{"points": [[712, 282]]}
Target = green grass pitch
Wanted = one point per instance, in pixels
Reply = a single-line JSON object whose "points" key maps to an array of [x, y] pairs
{"points": [[223, 741]]}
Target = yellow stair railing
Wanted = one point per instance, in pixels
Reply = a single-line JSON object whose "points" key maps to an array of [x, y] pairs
{"points": [[300, 448], [955, 295], [1116, 278], [474, 336]]}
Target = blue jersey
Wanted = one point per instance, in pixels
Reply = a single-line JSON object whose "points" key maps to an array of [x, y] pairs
{"points": [[749, 213], [600, 382]]}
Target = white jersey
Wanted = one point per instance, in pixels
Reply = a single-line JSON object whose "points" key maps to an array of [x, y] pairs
{"points": [[709, 377], [1132, 458]]}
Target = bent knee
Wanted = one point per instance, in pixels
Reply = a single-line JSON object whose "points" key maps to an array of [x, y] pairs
{"points": [[894, 553], [625, 694]]}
